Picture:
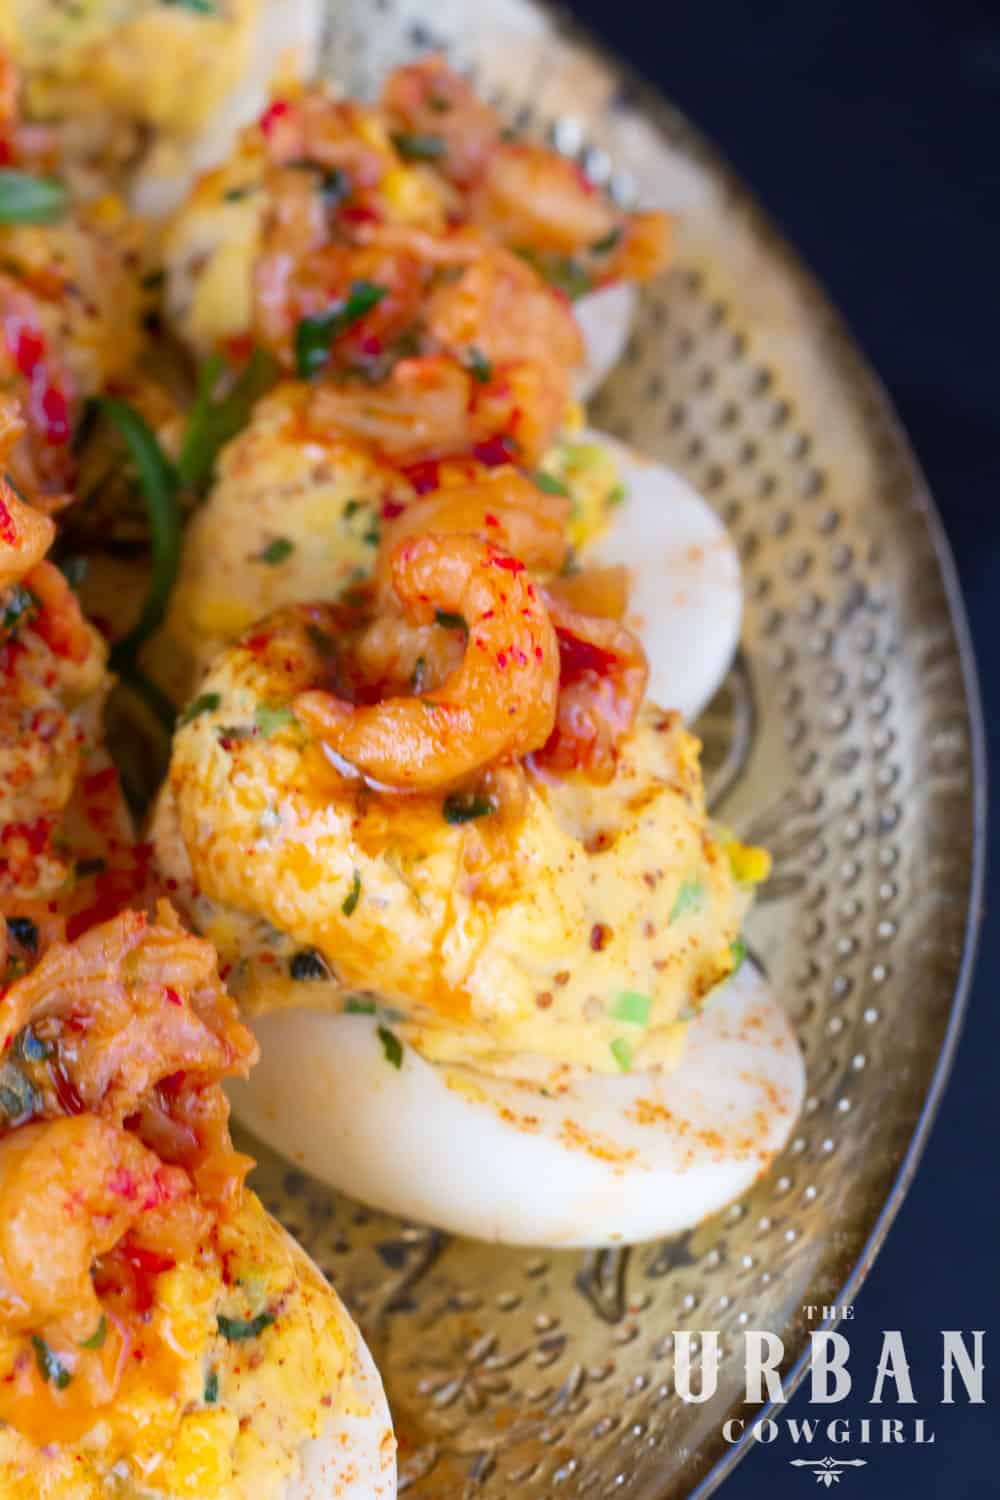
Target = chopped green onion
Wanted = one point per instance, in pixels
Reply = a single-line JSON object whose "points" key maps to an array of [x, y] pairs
{"points": [[270, 717], [203, 7], [205, 703], [478, 365], [350, 901], [563, 272], [450, 621], [632, 1007], [96, 1340], [211, 1395], [616, 495], [275, 552], [213, 422], [238, 1329], [413, 146], [739, 952], [18, 1098], [391, 1046], [51, 1366], [463, 807], [23, 931], [314, 336], [25, 199], [621, 1051], [357, 1005], [608, 241], [19, 606], [690, 898], [30, 1048], [549, 484], [308, 965], [159, 487]]}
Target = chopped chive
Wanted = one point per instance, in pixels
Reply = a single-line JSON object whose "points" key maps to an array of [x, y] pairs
{"points": [[213, 421], [211, 1395], [238, 1329], [26, 199], [690, 898], [23, 931], [357, 1005], [349, 904], [391, 1046], [478, 365], [621, 1051], [270, 717], [608, 241], [205, 703], [632, 1007], [19, 606], [549, 484], [739, 953], [50, 1365], [463, 807], [96, 1340], [308, 964], [414, 146], [450, 621], [616, 495], [313, 336], [275, 552]]}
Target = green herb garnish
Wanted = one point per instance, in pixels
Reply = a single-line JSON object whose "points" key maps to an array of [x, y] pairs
{"points": [[205, 703], [739, 952], [211, 1394], [621, 1051], [549, 484], [213, 421], [50, 1365], [96, 1340], [357, 1005], [450, 621], [308, 965], [607, 242], [24, 932], [413, 146], [632, 1007], [19, 606], [25, 199], [463, 807], [349, 904], [314, 336], [238, 1329], [478, 365], [275, 552], [18, 1097], [203, 7], [272, 716], [159, 481], [391, 1046], [31, 1048], [616, 495], [690, 898]]}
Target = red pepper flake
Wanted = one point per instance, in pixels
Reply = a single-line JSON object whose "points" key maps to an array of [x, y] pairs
{"points": [[501, 659], [172, 996], [257, 643], [391, 509], [490, 520], [509, 564], [577, 657], [424, 476], [275, 111], [8, 531], [100, 781], [26, 346], [50, 410], [495, 451]]}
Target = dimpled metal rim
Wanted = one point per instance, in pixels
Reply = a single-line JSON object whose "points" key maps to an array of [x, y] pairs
{"points": [[847, 737]]}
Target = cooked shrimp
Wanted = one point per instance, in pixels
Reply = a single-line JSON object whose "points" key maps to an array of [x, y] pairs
{"points": [[531, 196], [593, 591], [420, 412], [602, 679], [70, 1189], [505, 509], [430, 100], [25, 533], [501, 701], [128, 1005]]}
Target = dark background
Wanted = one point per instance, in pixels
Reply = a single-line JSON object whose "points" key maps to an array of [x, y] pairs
{"points": [[870, 130]]}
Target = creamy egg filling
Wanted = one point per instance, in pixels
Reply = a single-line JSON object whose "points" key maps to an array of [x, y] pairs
{"points": [[573, 924]]}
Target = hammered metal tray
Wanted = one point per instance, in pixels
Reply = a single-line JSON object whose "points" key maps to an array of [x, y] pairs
{"points": [[847, 737]]}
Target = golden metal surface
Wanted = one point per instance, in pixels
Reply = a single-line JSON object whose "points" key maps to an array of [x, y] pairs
{"points": [[847, 738]]}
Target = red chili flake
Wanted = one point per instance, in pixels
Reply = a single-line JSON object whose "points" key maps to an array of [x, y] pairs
{"points": [[100, 781], [497, 450], [8, 531], [257, 643], [509, 564], [589, 187], [26, 346], [501, 659], [275, 111], [424, 476], [172, 996], [239, 347], [123, 1184], [359, 213], [490, 520], [145, 1266], [391, 509], [371, 345], [35, 835], [50, 410], [577, 657]]}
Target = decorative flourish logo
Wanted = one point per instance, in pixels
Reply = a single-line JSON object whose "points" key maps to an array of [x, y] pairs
{"points": [[827, 1471]]}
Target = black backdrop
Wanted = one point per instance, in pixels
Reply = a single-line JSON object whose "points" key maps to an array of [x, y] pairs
{"points": [[870, 129]]}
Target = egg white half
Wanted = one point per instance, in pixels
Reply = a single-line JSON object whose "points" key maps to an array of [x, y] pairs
{"points": [[686, 594], [605, 318], [354, 1458], [286, 36], [613, 1159]]}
